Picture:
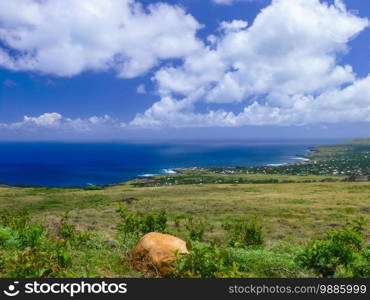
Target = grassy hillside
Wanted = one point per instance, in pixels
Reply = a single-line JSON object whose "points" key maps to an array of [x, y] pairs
{"points": [[294, 211], [291, 215], [238, 223]]}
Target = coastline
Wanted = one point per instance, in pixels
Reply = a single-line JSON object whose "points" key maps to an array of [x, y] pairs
{"points": [[308, 163], [166, 171]]}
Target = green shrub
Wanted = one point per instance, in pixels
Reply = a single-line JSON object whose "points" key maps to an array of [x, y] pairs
{"points": [[245, 233], [341, 250], [70, 234], [17, 231], [8, 238], [154, 221], [134, 225], [14, 219], [93, 188], [205, 261], [47, 261], [361, 265], [67, 230], [2, 260], [28, 252], [278, 261], [31, 236], [177, 220], [195, 229]]}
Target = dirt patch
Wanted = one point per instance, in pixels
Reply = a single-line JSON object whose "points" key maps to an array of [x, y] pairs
{"points": [[128, 200]]}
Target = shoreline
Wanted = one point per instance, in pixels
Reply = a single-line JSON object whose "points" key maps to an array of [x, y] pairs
{"points": [[300, 159], [167, 171]]}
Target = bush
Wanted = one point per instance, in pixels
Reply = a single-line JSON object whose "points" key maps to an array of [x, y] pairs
{"points": [[245, 233], [341, 250], [14, 219], [8, 238], [47, 261], [195, 229], [70, 234], [2, 260], [205, 261], [17, 231], [32, 236], [134, 225], [67, 231], [177, 220], [29, 252], [278, 261], [361, 265], [93, 188]]}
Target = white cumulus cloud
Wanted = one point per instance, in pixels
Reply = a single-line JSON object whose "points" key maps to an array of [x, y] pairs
{"points": [[67, 37], [56, 121], [284, 67]]}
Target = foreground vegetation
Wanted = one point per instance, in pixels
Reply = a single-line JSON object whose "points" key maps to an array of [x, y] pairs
{"points": [[36, 249], [237, 223], [239, 229]]}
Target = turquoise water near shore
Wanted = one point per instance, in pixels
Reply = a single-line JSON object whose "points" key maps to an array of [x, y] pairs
{"points": [[80, 164]]}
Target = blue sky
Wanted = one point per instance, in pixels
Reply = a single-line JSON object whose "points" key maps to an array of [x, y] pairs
{"points": [[125, 69]]}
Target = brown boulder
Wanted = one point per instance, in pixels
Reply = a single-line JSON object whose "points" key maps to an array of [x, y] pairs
{"points": [[156, 251]]}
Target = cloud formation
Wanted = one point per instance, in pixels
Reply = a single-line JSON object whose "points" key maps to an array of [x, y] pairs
{"points": [[55, 121], [67, 37], [282, 69], [229, 2]]}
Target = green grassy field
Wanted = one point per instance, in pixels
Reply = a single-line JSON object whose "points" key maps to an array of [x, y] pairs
{"points": [[294, 211], [291, 214]]}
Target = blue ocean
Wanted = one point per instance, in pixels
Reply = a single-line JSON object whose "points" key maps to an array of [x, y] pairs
{"points": [[57, 164]]}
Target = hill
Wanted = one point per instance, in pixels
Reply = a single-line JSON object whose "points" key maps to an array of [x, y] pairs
{"points": [[58, 232]]}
